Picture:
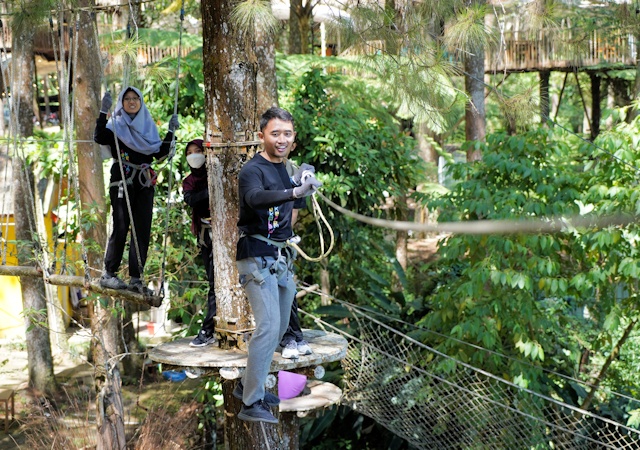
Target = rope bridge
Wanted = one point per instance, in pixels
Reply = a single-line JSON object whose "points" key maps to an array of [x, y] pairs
{"points": [[400, 383]]}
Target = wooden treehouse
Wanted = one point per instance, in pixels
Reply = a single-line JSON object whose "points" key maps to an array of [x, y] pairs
{"points": [[565, 50]]}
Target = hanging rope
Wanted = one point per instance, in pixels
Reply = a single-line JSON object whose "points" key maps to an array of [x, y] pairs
{"points": [[318, 216], [5, 230], [172, 152]]}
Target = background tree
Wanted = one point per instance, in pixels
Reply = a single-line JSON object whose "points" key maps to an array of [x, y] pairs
{"points": [[34, 302]]}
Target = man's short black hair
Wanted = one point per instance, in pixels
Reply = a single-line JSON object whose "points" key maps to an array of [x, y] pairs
{"points": [[275, 113]]}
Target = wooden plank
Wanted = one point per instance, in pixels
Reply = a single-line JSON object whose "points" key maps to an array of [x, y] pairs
{"points": [[322, 394], [327, 347], [79, 281]]}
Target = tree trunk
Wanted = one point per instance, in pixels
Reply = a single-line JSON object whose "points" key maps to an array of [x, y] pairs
{"points": [[267, 88], [596, 111], [544, 96], [40, 361], [633, 111], [475, 118], [104, 322], [230, 71], [34, 303], [241, 435], [295, 38], [22, 69], [231, 68]]}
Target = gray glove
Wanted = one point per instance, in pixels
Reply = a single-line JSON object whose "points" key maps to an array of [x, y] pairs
{"points": [[107, 101], [301, 174], [174, 123], [308, 187]]}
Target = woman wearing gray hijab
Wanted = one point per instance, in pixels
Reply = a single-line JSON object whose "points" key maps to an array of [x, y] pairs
{"points": [[132, 132]]}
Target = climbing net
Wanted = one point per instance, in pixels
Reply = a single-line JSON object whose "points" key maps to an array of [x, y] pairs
{"points": [[401, 384]]}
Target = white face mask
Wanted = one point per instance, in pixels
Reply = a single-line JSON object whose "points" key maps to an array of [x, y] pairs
{"points": [[196, 160]]}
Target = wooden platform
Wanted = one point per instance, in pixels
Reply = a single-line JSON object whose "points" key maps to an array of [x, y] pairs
{"points": [[327, 347], [322, 395]]}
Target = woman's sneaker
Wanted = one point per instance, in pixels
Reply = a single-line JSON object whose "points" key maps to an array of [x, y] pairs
{"points": [[112, 282], [258, 412], [203, 339], [136, 285], [290, 351], [304, 348]]}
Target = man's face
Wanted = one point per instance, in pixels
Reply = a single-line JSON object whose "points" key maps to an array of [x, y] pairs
{"points": [[131, 102], [277, 138]]}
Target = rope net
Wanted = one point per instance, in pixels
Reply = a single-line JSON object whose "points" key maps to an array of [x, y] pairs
{"points": [[403, 385]]}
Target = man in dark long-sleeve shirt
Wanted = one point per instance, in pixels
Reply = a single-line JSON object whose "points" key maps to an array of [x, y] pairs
{"points": [[264, 260]]}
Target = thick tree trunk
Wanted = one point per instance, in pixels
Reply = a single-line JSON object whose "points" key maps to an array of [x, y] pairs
{"points": [[40, 361], [22, 69], [104, 321], [230, 71], [267, 89], [34, 303]]}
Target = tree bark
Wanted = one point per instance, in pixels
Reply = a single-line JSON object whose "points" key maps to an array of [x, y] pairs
{"points": [[544, 96], [475, 117], [34, 305], [295, 38], [22, 69], [231, 70], [40, 360], [633, 111], [104, 322], [596, 111], [267, 89]]}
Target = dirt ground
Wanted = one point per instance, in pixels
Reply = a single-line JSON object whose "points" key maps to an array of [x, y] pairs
{"points": [[71, 414], [75, 377]]}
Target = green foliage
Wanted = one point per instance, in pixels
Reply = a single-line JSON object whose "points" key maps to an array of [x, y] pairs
{"points": [[544, 298], [363, 159]]}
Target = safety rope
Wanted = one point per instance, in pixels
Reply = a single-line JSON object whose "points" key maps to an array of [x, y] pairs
{"points": [[508, 226], [5, 228], [73, 173], [318, 216], [61, 167], [172, 152]]}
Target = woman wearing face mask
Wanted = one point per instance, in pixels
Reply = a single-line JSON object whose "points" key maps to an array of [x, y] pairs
{"points": [[138, 145], [196, 194]]}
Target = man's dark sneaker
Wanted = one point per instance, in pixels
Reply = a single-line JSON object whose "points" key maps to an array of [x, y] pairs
{"points": [[112, 282], [136, 285], [269, 398], [258, 412], [304, 348], [203, 339]]}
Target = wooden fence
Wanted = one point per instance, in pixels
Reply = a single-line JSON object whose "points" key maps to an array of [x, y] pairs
{"points": [[562, 50]]}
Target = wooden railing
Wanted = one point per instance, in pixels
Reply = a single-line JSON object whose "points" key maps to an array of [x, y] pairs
{"points": [[562, 50]]}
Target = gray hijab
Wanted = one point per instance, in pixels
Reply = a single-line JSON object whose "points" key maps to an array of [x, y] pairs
{"points": [[139, 133]]}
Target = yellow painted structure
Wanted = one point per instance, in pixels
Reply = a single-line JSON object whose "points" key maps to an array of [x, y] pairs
{"points": [[11, 319]]}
